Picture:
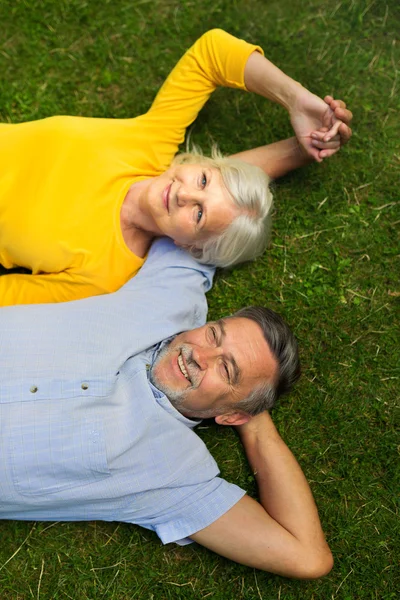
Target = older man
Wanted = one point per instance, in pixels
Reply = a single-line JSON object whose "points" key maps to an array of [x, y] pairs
{"points": [[98, 405]]}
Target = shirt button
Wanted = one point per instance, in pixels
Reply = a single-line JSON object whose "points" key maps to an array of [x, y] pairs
{"points": [[33, 389], [85, 386], [148, 367]]}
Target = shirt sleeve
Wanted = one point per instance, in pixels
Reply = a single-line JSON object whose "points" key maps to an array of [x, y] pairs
{"points": [[21, 288], [216, 59], [194, 508], [95, 336]]}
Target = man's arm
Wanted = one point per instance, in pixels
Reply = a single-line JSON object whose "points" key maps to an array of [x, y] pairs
{"points": [[276, 159], [280, 158], [282, 534]]}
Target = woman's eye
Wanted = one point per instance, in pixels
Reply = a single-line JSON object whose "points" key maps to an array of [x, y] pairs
{"points": [[199, 215], [203, 180]]}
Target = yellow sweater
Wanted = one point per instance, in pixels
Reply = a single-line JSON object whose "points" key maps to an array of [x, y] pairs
{"points": [[63, 180]]}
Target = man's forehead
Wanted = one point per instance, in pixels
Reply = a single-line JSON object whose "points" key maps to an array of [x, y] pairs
{"points": [[260, 360], [232, 322], [240, 332]]}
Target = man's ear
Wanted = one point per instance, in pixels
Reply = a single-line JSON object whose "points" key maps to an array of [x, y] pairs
{"points": [[233, 418]]}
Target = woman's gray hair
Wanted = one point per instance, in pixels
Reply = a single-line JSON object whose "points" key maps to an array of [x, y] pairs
{"points": [[283, 346], [247, 236]]}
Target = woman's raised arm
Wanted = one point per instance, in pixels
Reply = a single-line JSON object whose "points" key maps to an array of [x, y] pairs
{"points": [[216, 59], [220, 59]]}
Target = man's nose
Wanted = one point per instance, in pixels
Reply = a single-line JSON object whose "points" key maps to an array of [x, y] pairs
{"points": [[206, 356]]}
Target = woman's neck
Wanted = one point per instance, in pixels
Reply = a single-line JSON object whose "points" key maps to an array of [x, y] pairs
{"points": [[136, 224]]}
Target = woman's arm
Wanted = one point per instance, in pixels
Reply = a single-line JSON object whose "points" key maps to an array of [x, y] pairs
{"points": [[308, 113], [216, 59], [21, 288], [219, 59]]}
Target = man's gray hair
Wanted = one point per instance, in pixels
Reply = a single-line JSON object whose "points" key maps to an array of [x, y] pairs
{"points": [[247, 236], [283, 346]]}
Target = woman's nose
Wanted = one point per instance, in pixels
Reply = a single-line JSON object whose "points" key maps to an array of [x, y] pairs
{"points": [[186, 196]]}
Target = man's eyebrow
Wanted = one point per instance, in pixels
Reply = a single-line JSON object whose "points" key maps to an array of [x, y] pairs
{"points": [[221, 325], [235, 371]]}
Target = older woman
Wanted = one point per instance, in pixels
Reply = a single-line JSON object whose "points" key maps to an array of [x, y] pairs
{"points": [[81, 199]]}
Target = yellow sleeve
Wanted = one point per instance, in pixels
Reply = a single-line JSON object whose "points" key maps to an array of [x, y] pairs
{"points": [[216, 59], [19, 288]]}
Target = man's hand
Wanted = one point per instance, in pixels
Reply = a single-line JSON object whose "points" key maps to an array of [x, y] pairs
{"points": [[321, 126]]}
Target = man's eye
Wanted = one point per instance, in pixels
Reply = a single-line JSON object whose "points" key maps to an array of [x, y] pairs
{"points": [[213, 334], [226, 370], [199, 215]]}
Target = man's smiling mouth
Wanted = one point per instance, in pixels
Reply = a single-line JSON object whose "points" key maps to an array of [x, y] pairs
{"points": [[182, 367]]}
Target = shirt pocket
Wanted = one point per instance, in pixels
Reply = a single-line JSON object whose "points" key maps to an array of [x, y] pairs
{"points": [[52, 455]]}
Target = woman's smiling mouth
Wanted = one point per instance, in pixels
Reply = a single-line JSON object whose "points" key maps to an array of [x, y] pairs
{"points": [[165, 196]]}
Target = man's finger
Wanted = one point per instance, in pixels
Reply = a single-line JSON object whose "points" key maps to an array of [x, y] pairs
{"points": [[337, 104], [345, 133], [334, 144], [344, 114], [327, 153]]}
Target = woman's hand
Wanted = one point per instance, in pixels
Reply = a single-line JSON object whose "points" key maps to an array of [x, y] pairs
{"points": [[321, 139], [321, 126]]}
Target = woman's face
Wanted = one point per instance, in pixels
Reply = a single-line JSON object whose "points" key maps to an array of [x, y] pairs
{"points": [[190, 203]]}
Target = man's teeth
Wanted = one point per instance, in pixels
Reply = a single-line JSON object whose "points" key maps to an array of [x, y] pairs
{"points": [[182, 366]]}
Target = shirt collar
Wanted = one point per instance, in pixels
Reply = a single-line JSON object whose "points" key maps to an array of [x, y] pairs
{"points": [[163, 401]]}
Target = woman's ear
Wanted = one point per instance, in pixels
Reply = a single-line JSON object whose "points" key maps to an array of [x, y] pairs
{"points": [[233, 418]]}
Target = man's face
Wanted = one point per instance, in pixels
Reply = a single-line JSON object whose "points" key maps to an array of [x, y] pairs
{"points": [[213, 366]]}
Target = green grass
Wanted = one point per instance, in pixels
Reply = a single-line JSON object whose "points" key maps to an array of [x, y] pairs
{"points": [[332, 270]]}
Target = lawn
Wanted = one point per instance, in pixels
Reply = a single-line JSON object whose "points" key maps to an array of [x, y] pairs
{"points": [[332, 270]]}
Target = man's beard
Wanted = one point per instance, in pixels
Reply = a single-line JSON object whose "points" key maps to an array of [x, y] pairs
{"points": [[176, 397], [179, 397]]}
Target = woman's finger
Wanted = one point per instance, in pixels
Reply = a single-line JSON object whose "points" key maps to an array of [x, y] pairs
{"points": [[333, 131], [320, 134]]}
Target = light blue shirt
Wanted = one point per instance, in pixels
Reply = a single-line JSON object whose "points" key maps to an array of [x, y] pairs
{"points": [[83, 433]]}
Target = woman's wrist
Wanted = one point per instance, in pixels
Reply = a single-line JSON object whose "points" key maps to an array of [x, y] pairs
{"points": [[262, 77], [291, 91]]}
